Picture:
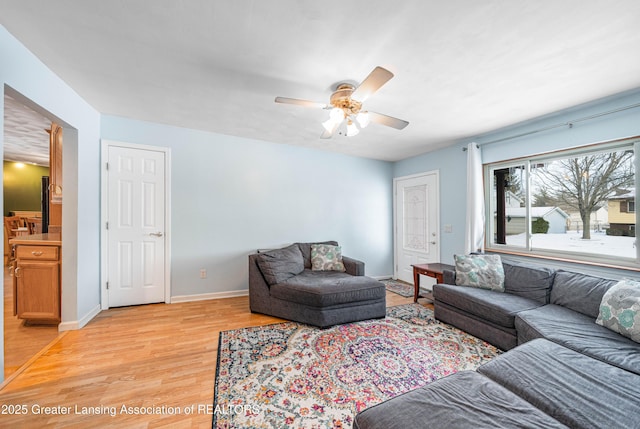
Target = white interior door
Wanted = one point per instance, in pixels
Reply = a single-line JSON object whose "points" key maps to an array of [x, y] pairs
{"points": [[135, 226], [417, 239]]}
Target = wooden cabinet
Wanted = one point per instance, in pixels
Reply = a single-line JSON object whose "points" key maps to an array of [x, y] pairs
{"points": [[36, 278]]}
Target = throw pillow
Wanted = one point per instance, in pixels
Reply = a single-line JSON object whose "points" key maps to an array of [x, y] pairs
{"points": [[305, 248], [326, 257], [620, 309], [281, 264], [481, 271]]}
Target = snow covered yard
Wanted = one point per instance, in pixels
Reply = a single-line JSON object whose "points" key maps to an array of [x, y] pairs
{"points": [[600, 243]]}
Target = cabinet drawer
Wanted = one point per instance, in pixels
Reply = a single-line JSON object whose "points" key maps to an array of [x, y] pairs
{"points": [[49, 253]]}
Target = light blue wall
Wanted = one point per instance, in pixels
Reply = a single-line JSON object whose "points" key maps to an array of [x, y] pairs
{"points": [[231, 196], [26, 78], [451, 162], [609, 127]]}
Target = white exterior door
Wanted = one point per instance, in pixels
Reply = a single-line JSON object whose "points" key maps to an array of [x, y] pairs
{"points": [[417, 238], [135, 226]]}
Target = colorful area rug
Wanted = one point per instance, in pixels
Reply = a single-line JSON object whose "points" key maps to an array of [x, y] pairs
{"points": [[297, 376], [401, 288]]}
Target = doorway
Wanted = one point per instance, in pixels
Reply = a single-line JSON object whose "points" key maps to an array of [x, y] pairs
{"points": [[135, 210], [26, 161], [416, 223]]}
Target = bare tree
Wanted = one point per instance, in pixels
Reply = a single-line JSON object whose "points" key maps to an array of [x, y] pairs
{"points": [[585, 182], [542, 199]]}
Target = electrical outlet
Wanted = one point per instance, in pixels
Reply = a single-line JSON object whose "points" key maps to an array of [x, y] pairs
{"points": [[203, 273], [448, 228]]}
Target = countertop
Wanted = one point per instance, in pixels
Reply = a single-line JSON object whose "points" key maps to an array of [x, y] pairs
{"points": [[52, 239]]}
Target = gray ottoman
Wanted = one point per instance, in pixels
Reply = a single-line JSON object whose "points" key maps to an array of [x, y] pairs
{"points": [[326, 299], [575, 389], [463, 400]]}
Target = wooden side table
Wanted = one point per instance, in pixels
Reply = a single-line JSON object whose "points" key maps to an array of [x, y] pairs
{"points": [[429, 270]]}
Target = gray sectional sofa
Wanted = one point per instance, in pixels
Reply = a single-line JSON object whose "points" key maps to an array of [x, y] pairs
{"points": [[488, 314], [282, 284], [561, 368]]}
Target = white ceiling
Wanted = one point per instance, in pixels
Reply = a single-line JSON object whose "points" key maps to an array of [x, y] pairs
{"points": [[25, 136], [462, 67]]}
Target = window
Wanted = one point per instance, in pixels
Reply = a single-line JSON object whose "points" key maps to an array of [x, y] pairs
{"points": [[577, 204]]}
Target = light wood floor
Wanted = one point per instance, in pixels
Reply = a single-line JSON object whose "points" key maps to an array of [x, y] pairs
{"points": [[21, 342], [151, 355]]}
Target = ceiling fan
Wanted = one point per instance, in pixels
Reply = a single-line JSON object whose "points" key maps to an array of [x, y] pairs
{"points": [[345, 106]]}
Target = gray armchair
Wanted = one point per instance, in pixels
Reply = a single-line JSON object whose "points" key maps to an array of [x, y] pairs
{"points": [[283, 285]]}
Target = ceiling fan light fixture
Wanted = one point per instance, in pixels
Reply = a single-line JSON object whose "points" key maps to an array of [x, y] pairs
{"points": [[329, 125], [336, 115], [363, 119], [352, 129]]}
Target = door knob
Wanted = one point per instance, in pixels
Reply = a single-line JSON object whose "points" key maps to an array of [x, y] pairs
{"points": [[156, 234]]}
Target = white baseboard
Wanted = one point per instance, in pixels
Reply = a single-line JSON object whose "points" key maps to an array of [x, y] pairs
{"points": [[78, 324], [212, 295]]}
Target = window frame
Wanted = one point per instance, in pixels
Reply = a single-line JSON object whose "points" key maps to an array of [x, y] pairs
{"points": [[631, 263]]}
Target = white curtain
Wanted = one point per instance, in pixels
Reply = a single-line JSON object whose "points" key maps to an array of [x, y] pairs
{"points": [[474, 231]]}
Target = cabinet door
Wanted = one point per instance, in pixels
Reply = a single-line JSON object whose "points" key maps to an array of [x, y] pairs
{"points": [[55, 178], [37, 290], [14, 284], [55, 163]]}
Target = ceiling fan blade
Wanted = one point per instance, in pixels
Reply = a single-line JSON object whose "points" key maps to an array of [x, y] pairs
{"points": [[389, 121], [304, 103], [378, 77], [326, 134]]}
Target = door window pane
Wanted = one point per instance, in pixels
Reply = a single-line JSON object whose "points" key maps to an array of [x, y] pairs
{"points": [[415, 218]]}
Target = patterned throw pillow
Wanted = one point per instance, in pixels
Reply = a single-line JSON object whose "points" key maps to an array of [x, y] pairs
{"points": [[325, 257], [620, 309], [481, 271]]}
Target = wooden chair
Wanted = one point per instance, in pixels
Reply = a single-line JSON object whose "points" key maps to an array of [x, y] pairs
{"points": [[11, 224], [35, 225]]}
